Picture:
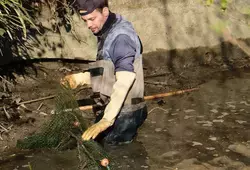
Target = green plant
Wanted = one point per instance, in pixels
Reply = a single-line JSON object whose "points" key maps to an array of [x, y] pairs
{"points": [[14, 17], [223, 3]]}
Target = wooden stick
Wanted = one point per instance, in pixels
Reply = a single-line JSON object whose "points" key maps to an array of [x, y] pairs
{"points": [[43, 98], [157, 83], [6, 113], [89, 107], [36, 100], [169, 94]]}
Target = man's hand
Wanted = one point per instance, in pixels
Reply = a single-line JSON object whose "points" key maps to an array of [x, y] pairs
{"points": [[75, 80], [69, 80], [94, 130]]}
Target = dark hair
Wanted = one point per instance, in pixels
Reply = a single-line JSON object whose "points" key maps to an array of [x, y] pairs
{"points": [[103, 3]]}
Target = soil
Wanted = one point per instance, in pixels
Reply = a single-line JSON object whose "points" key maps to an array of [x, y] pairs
{"points": [[204, 129]]}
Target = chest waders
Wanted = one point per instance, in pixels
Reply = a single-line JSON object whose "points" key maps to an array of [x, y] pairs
{"points": [[134, 110]]}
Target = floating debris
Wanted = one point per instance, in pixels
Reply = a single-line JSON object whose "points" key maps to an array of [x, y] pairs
{"points": [[212, 138], [187, 117], [223, 115], [231, 106], [210, 148], [204, 122], [218, 121], [208, 125], [212, 104], [214, 111], [196, 143], [158, 129], [241, 121], [245, 103], [189, 110], [144, 166], [169, 154], [241, 149]]}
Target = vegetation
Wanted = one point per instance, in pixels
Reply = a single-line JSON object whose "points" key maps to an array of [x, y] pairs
{"points": [[15, 19], [223, 3], [18, 22]]}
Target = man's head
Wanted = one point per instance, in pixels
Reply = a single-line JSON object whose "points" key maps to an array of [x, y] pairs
{"points": [[94, 13]]}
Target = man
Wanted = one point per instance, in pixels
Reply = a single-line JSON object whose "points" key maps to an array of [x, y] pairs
{"points": [[116, 77]]}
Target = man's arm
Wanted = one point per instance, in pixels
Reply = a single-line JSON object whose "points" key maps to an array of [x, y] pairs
{"points": [[122, 52]]}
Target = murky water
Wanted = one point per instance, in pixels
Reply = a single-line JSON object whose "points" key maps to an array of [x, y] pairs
{"points": [[205, 129], [198, 128]]}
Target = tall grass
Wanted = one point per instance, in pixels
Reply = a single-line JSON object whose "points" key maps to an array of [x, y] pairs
{"points": [[14, 17]]}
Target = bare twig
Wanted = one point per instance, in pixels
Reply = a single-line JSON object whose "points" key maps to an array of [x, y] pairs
{"points": [[83, 147], [42, 113], [157, 83], [39, 107], [6, 130], [157, 75], [9, 128], [6, 81], [158, 108], [6, 113], [39, 99]]}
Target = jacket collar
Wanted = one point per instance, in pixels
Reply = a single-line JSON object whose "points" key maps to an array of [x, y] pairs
{"points": [[107, 25]]}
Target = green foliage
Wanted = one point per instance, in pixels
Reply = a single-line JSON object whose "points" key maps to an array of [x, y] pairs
{"points": [[209, 2], [223, 3], [17, 23], [14, 17]]}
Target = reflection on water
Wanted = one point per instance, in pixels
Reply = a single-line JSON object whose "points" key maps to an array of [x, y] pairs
{"points": [[131, 156]]}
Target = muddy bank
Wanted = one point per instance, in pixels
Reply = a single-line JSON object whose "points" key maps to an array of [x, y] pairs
{"points": [[180, 69]]}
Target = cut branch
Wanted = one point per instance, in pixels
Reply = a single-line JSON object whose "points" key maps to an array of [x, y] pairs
{"points": [[37, 100]]}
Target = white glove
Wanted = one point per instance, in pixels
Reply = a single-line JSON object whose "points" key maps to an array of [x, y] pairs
{"points": [[77, 79]]}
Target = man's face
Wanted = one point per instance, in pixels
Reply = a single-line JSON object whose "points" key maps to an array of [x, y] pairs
{"points": [[96, 20]]}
